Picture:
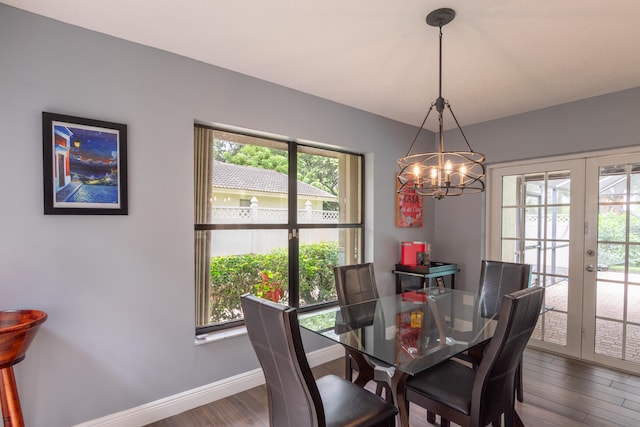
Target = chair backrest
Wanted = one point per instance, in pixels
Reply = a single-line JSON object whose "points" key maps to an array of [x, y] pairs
{"points": [[493, 388], [356, 316], [294, 399], [498, 278], [355, 283]]}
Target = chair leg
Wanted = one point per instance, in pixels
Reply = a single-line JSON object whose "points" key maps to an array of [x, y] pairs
{"points": [[519, 386], [348, 369], [509, 418], [379, 389], [444, 423], [431, 417]]}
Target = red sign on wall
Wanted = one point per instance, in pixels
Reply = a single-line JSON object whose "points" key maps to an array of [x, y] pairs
{"points": [[408, 206]]}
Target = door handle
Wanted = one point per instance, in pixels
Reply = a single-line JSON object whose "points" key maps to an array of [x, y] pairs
{"points": [[590, 268]]}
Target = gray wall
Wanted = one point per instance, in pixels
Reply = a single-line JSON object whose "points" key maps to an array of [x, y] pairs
{"points": [[119, 289], [609, 121]]}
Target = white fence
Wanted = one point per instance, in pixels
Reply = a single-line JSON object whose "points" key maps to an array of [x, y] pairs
{"points": [[257, 215], [237, 242]]}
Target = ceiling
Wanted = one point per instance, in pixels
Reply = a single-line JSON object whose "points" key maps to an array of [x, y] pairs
{"points": [[499, 57]]}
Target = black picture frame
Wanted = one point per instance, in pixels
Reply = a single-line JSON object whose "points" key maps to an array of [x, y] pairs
{"points": [[84, 166]]}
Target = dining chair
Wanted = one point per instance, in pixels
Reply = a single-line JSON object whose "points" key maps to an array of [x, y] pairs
{"points": [[499, 278], [356, 284], [476, 397], [295, 398]]}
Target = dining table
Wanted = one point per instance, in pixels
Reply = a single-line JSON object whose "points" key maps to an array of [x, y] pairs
{"points": [[395, 337]]}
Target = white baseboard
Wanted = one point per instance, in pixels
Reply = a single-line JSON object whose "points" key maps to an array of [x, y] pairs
{"points": [[185, 401]]}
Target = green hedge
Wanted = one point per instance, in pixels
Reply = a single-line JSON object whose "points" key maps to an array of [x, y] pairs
{"points": [[234, 275]]}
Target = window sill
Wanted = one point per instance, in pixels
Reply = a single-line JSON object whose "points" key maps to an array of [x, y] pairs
{"points": [[220, 335], [242, 330]]}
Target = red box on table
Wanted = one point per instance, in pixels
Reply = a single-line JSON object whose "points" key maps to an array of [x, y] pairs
{"points": [[410, 251]]}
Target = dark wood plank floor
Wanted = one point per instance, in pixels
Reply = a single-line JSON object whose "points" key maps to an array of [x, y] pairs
{"points": [[558, 392]]}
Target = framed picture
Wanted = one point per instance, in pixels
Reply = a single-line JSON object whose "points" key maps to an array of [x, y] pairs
{"points": [[408, 206], [85, 166]]}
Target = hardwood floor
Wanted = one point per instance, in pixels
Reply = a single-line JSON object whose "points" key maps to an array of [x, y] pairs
{"points": [[558, 392]]}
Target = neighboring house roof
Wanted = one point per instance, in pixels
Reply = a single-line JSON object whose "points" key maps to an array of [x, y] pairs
{"points": [[237, 177]]}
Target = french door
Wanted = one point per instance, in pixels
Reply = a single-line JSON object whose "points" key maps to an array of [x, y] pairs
{"points": [[577, 222], [612, 263], [538, 211]]}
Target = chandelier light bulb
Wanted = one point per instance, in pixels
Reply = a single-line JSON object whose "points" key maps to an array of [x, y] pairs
{"points": [[434, 175], [447, 171]]}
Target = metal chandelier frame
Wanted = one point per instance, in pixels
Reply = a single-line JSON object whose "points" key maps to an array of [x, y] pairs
{"points": [[442, 173]]}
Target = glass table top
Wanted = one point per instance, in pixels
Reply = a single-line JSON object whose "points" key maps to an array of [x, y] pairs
{"points": [[411, 331]]}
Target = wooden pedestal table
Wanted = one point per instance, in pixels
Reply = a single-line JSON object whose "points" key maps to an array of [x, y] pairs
{"points": [[17, 329]]}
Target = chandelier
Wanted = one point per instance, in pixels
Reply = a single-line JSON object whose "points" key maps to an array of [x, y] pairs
{"points": [[442, 173]]}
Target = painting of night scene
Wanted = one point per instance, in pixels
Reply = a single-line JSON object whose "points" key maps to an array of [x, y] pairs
{"points": [[85, 166]]}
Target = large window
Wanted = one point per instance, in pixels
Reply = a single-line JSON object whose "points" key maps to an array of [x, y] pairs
{"points": [[272, 218]]}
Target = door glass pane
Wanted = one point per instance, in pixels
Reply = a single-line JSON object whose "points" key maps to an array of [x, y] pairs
{"points": [[557, 224], [611, 261], [534, 223], [555, 327], [633, 278], [608, 338], [612, 224], [511, 222], [634, 223], [511, 190], [558, 188], [557, 258], [612, 185], [556, 295], [634, 259], [633, 303], [534, 189], [608, 297], [533, 255], [634, 191], [632, 349], [510, 250]]}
